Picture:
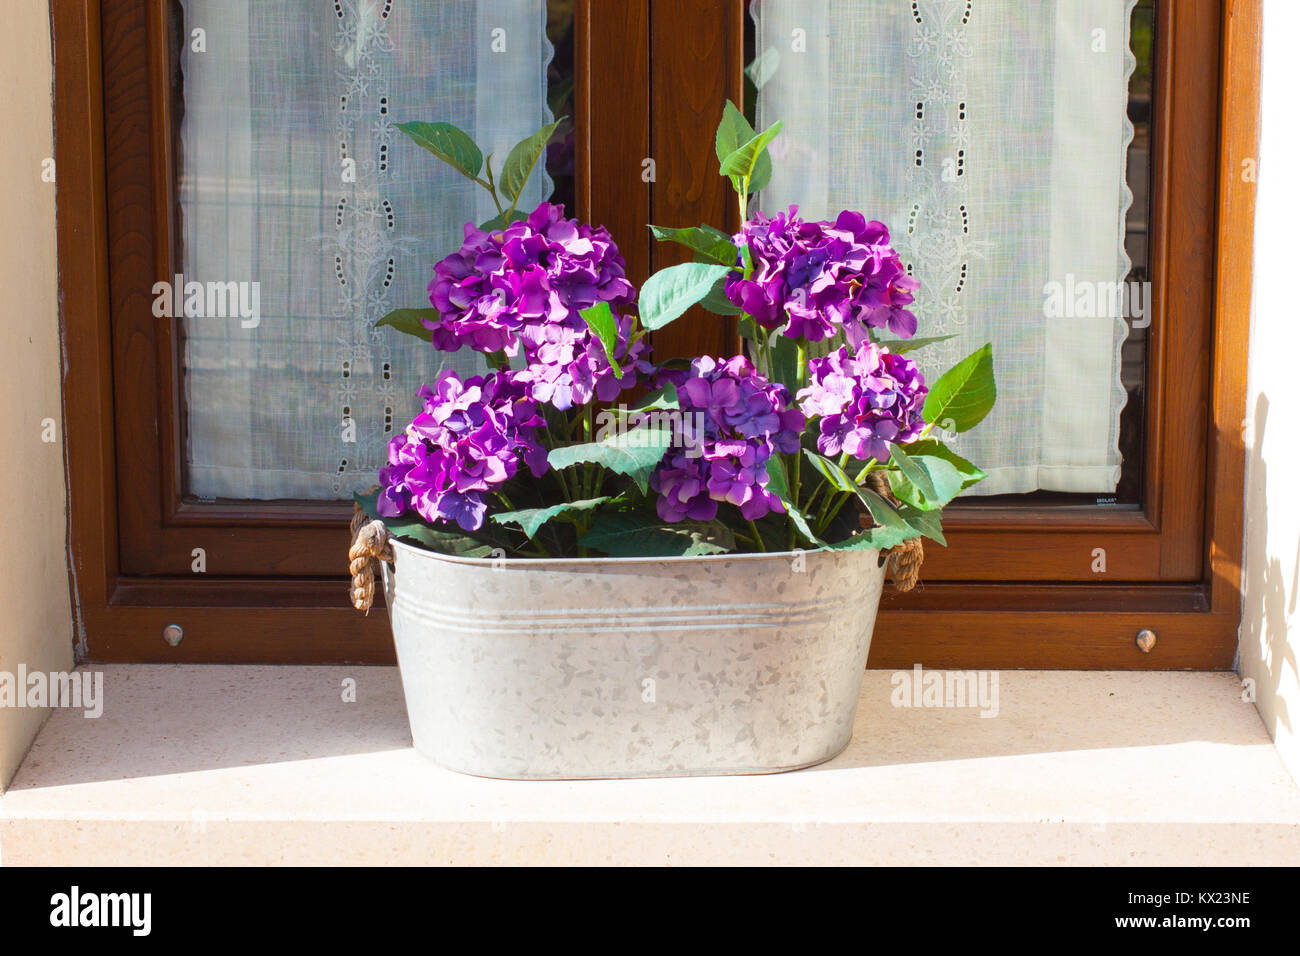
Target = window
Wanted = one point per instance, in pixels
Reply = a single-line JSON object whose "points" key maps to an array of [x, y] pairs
{"points": [[210, 457]]}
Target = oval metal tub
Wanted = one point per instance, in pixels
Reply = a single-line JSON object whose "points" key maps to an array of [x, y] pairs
{"points": [[632, 667]]}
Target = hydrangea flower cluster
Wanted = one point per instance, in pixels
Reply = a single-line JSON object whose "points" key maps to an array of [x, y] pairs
{"points": [[866, 399], [824, 276], [745, 419], [466, 443], [525, 287]]}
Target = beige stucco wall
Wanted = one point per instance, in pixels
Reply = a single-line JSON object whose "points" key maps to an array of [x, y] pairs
{"points": [[1269, 640], [35, 617]]}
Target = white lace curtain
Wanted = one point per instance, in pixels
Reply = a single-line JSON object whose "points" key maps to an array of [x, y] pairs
{"points": [[991, 137], [294, 177]]}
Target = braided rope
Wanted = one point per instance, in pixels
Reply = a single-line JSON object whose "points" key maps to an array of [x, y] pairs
{"points": [[370, 545]]}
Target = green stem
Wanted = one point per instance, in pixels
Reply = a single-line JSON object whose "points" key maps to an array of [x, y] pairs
{"points": [[758, 538], [816, 492], [835, 502], [794, 497]]}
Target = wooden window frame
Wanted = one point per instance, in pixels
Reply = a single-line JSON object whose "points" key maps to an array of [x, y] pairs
{"points": [[1010, 592]]}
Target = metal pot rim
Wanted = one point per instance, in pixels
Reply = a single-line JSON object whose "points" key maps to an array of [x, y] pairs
{"points": [[400, 545]]}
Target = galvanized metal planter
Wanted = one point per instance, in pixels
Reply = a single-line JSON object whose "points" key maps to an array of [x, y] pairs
{"points": [[630, 667]]}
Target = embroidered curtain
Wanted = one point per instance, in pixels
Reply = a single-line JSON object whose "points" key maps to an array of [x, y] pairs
{"points": [[297, 187], [991, 137]]}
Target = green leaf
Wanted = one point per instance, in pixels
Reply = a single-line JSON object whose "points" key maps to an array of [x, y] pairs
{"points": [[411, 527], [780, 487], [803, 526], [633, 453], [408, 321], [832, 472], [449, 143], [734, 132], [743, 161], [932, 448], [937, 481], [530, 520], [660, 398], [748, 329], [502, 220], [600, 319], [776, 480], [670, 292], [712, 244], [762, 174], [891, 529], [926, 522], [964, 394], [717, 302], [902, 346], [633, 535], [523, 157], [883, 512], [881, 539]]}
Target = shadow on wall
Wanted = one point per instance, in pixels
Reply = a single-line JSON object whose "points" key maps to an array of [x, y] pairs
{"points": [[1268, 613]]}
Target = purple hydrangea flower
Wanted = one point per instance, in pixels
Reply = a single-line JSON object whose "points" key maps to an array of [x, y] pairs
{"points": [[468, 441], [867, 400], [524, 287], [821, 276], [744, 420]]}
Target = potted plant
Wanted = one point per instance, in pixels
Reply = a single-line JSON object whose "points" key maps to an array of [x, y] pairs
{"points": [[598, 565]]}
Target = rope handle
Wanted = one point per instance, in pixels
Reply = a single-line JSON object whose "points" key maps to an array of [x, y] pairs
{"points": [[370, 545]]}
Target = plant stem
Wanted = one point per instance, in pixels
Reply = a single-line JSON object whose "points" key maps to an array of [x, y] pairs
{"points": [[758, 538]]}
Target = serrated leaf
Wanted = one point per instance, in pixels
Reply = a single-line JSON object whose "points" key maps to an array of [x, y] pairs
{"points": [[902, 346], [409, 321], [634, 535], [876, 539], [713, 244], [743, 160], [670, 292], [928, 523], [602, 322], [733, 131], [964, 394], [449, 143], [936, 480], [932, 448], [530, 520], [633, 453], [523, 157]]}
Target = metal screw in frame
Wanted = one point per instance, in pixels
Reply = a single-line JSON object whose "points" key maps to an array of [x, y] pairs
{"points": [[1146, 639], [173, 633]]}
